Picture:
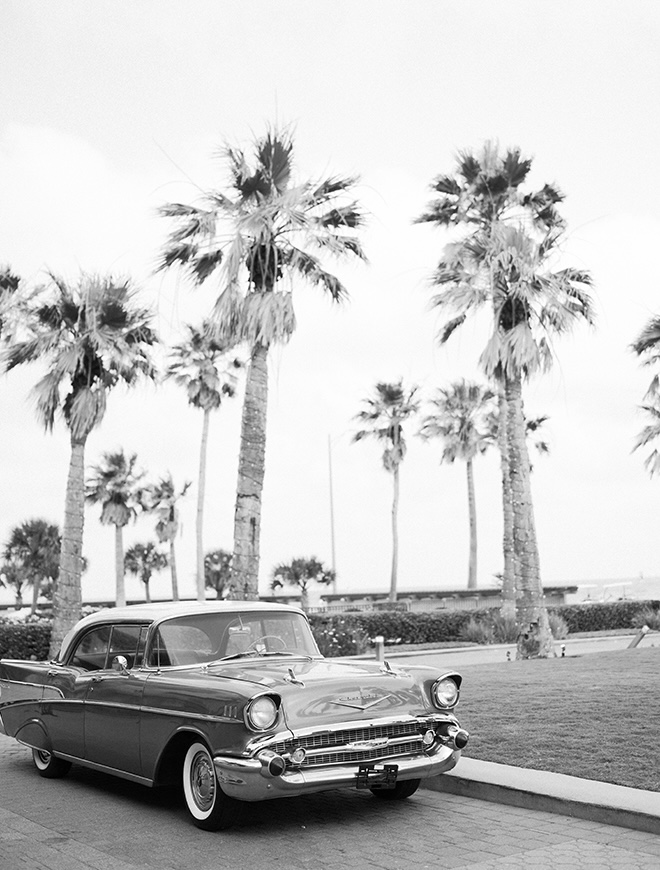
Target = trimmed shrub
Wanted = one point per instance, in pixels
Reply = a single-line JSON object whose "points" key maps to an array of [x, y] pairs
{"points": [[25, 640], [650, 616], [602, 616]]}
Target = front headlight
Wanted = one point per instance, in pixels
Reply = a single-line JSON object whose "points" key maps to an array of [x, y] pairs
{"points": [[445, 691], [261, 713]]}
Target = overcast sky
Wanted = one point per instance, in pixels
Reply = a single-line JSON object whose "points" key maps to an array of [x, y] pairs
{"points": [[109, 109]]}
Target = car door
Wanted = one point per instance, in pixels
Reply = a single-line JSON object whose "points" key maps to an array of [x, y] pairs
{"points": [[112, 703]]}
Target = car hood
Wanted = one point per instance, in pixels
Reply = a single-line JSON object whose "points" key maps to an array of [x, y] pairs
{"points": [[331, 691]]}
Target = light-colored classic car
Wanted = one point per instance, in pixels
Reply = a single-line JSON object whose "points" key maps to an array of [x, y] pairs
{"points": [[233, 701]]}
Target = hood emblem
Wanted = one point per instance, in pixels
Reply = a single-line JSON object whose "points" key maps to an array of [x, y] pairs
{"points": [[360, 702]]}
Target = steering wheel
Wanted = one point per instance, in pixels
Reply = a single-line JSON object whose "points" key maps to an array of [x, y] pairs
{"points": [[264, 637]]}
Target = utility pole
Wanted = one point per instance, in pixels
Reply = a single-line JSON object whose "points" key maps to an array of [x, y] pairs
{"points": [[332, 517]]}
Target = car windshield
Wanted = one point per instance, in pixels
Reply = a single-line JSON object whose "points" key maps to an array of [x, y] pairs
{"points": [[207, 637]]}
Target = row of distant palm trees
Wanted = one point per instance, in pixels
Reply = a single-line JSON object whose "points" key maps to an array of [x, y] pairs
{"points": [[31, 558], [252, 239]]}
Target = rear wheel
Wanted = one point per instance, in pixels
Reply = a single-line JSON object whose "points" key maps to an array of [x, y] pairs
{"points": [[209, 807], [49, 766], [401, 790]]}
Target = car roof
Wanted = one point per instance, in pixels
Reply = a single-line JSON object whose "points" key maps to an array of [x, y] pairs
{"points": [[167, 609]]}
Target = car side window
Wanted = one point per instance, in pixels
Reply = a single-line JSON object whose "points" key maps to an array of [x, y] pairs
{"points": [[125, 641], [92, 650]]}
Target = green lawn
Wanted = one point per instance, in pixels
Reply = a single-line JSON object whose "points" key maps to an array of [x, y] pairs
{"points": [[595, 716]]}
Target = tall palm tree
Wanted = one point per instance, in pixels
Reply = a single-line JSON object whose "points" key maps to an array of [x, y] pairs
{"points": [[502, 264], [647, 348], [115, 484], [143, 560], [35, 545], [91, 335], [161, 499], [383, 418], [300, 573], [265, 231], [459, 416], [9, 287], [207, 370]]}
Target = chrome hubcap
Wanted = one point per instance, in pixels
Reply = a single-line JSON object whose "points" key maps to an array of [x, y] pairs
{"points": [[202, 781]]}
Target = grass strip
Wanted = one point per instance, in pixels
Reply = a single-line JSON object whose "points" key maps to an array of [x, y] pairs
{"points": [[595, 716]]}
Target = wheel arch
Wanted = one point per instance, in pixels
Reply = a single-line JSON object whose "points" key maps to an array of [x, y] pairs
{"points": [[170, 760]]}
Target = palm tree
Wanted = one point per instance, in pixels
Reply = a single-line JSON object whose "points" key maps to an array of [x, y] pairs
{"points": [[265, 231], [203, 366], [460, 417], [9, 286], [647, 348], [14, 575], [383, 417], [115, 485], [142, 560], [161, 499], [217, 571], [300, 573], [91, 336], [501, 264], [35, 546]]}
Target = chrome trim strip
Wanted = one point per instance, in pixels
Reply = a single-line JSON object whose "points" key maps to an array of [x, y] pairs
{"points": [[337, 749], [133, 777]]}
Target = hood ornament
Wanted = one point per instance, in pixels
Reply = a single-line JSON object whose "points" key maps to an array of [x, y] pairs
{"points": [[292, 678]]}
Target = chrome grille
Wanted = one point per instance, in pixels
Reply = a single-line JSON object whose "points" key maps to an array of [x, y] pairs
{"points": [[335, 742]]}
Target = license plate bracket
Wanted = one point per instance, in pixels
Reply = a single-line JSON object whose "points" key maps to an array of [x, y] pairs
{"points": [[370, 776]]}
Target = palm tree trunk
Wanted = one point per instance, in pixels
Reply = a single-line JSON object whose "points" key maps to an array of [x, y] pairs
{"points": [[201, 487], [244, 582], [472, 512], [175, 578], [36, 588], [120, 586], [304, 597], [395, 533], [67, 596], [508, 608], [535, 638], [147, 593]]}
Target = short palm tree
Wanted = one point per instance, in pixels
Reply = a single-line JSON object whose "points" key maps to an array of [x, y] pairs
{"points": [[161, 499], [143, 560], [115, 484], [35, 546], [14, 575], [459, 416], [91, 336], [300, 573], [266, 230], [383, 418], [502, 264], [208, 370], [217, 571]]}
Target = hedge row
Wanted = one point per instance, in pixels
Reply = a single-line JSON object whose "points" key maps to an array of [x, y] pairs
{"points": [[339, 634], [21, 640]]}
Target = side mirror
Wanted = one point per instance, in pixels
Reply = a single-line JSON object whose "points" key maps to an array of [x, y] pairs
{"points": [[120, 664]]}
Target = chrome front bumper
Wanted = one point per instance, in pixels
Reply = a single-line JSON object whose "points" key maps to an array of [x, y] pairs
{"points": [[248, 779]]}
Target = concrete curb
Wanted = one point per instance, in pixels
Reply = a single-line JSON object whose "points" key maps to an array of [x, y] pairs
{"points": [[552, 793]]}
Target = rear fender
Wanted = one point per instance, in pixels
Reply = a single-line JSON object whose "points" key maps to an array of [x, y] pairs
{"points": [[33, 734]]}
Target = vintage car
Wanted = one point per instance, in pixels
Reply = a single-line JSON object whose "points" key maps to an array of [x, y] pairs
{"points": [[234, 702]]}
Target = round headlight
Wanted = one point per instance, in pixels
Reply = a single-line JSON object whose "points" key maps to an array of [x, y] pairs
{"points": [[445, 692], [261, 713]]}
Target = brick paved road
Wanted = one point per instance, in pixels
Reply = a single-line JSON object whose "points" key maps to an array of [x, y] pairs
{"points": [[88, 820]]}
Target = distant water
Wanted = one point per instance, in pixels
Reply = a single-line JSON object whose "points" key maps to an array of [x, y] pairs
{"points": [[637, 588]]}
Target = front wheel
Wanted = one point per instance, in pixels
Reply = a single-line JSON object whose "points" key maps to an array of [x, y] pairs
{"points": [[401, 790], [208, 805], [48, 766]]}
